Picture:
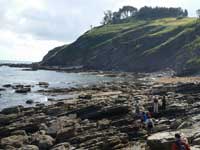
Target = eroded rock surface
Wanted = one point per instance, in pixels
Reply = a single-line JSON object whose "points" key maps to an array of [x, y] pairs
{"points": [[103, 117]]}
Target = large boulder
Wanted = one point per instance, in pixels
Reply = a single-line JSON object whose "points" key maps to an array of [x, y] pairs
{"points": [[2, 89], [196, 141], [162, 89], [29, 147], [16, 141], [188, 88], [12, 110], [106, 112], [6, 119], [164, 140], [7, 85], [43, 141], [23, 90], [30, 101], [160, 141], [64, 134]]}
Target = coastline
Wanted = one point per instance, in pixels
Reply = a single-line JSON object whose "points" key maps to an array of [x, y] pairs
{"points": [[102, 116]]}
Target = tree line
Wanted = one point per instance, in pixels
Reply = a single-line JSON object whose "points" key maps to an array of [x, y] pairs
{"points": [[128, 12]]}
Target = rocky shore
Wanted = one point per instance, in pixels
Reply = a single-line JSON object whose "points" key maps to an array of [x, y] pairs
{"points": [[103, 117]]}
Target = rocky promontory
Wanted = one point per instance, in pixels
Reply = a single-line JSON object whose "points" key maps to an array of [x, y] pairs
{"points": [[103, 117]]}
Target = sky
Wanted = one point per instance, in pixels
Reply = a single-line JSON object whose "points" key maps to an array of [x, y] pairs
{"points": [[30, 28]]}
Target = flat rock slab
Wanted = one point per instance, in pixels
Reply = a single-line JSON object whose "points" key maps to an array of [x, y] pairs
{"points": [[164, 140]]}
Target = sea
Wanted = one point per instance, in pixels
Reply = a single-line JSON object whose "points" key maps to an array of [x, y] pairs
{"points": [[15, 76]]}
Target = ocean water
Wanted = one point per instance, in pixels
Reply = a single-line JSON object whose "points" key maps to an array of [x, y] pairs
{"points": [[16, 76], [14, 62]]}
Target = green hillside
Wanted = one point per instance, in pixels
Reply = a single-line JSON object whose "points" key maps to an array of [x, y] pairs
{"points": [[138, 45]]}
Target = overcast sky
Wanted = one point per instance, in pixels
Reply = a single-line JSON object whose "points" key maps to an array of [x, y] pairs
{"points": [[30, 28]]}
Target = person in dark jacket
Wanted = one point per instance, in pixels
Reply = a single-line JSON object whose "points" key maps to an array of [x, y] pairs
{"points": [[163, 102]]}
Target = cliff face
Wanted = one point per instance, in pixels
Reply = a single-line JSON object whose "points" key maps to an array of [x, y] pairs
{"points": [[139, 46]]}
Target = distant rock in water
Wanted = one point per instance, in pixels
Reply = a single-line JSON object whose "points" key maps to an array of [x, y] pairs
{"points": [[2, 89], [7, 85], [29, 102], [43, 84], [23, 90]]}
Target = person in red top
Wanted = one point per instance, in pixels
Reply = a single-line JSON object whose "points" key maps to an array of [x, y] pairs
{"points": [[179, 144]]}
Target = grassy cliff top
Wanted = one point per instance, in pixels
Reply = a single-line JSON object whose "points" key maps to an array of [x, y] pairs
{"points": [[169, 23]]}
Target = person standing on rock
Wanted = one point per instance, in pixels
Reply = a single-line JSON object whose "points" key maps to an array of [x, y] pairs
{"points": [[155, 105], [137, 108], [149, 125], [179, 144], [144, 117], [164, 103]]}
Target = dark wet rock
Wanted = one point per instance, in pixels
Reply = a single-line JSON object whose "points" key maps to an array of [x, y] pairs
{"points": [[23, 90], [7, 85], [8, 147], [51, 99], [29, 111], [175, 123], [185, 124], [29, 102], [28, 86], [196, 141], [43, 84], [2, 89], [4, 132], [6, 119], [18, 86], [40, 105], [54, 111], [161, 127], [64, 134], [188, 88], [11, 110], [84, 111], [60, 104], [106, 112], [87, 96], [161, 89], [29, 127], [172, 111]]}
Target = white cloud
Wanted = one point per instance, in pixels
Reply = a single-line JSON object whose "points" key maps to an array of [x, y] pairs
{"points": [[24, 46], [29, 28]]}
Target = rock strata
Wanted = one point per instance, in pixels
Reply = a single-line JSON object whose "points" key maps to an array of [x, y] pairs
{"points": [[103, 117]]}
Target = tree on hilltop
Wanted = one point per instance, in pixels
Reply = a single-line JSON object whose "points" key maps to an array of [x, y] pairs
{"points": [[198, 13], [108, 15]]}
